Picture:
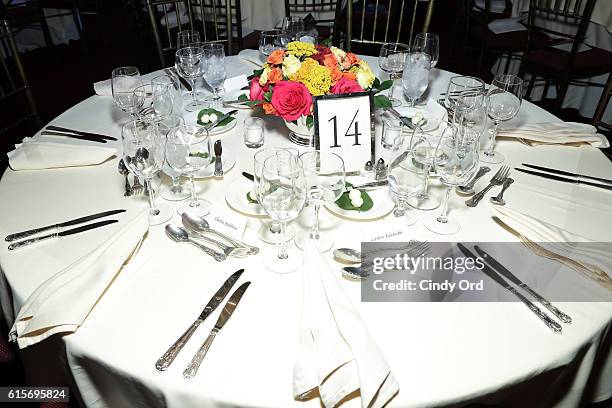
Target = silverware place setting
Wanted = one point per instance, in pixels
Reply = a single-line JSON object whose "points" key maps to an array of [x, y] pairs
{"points": [[76, 134], [560, 175], [498, 179]]}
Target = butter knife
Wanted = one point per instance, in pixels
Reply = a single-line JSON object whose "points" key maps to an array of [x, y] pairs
{"points": [[487, 270], [568, 173], [164, 361], [221, 119], [226, 313], [218, 163], [512, 278]]}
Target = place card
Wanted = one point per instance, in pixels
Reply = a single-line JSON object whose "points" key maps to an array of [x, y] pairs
{"points": [[234, 83], [227, 222], [385, 231]]}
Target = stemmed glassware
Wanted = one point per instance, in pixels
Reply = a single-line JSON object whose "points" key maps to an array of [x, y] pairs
{"points": [[270, 41], [214, 70], [405, 182], [165, 95], [391, 59], [176, 192], [270, 231], [187, 38], [503, 103], [282, 194], [292, 27], [123, 83], [423, 146], [428, 43], [143, 154], [416, 75], [455, 162], [189, 150], [325, 180], [464, 93], [190, 65]]}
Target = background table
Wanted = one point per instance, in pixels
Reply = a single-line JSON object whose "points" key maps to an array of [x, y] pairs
{"points": [[441, 353]]}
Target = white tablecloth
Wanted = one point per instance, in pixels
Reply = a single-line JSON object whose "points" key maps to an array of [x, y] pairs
{"points": [[441, 353]]}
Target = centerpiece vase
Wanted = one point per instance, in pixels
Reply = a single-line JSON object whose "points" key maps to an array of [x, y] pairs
{"points": [[299, 132]]}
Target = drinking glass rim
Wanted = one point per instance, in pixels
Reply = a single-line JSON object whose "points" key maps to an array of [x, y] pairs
{"points": [[507, 79], [476, 79], [181, 52], [319, 152]]}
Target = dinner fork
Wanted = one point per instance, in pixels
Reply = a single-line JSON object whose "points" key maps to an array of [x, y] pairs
{"points": [[236, 252], [497, 180]]}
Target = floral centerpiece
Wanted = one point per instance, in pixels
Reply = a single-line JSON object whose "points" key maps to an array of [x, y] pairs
{"points": [[288, 80]]}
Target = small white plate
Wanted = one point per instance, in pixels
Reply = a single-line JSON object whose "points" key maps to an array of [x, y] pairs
{"points": [[236, 198], [383, 204], [191, 118], [432, 111]]}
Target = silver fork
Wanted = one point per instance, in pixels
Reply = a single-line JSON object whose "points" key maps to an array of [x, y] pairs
{"points": [[236, 252], [137, 188], [497, 180]]}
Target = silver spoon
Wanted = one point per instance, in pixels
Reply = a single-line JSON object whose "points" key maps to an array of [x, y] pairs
{"points": [[499, 199], [347, 255], [179, 234], [354, 272], [199, 224], [123, 170], [469, 187]]}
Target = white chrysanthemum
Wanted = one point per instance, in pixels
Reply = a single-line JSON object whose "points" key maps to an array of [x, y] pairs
{"points": [[291, 65]]}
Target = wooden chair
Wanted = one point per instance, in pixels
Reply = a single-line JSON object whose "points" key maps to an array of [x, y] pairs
{"points": [[26, 14], [556, 65], [601, 107], [16, 103], [215, 20], [325, 26]]}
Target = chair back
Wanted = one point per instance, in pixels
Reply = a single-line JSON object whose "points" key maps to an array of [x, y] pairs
{"points": [[381, 21], [19, 114], [313, 6], [215, 20], [598, 120]]}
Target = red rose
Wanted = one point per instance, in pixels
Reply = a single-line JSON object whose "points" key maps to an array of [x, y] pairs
{"points": [[345, 85], [257, 91], [291, 100], [321, 53]]}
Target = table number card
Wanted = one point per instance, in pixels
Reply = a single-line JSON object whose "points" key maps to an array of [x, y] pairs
{"points": [[344, 124]]}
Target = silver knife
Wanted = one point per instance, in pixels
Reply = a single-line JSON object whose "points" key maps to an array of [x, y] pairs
{"points": [[568, 173], [164, 361], [372, 184], [564, 179], [512, 278], [550, 323], [218, 148], [20, 244], [80, 220], [221, 119], [226, 313]]}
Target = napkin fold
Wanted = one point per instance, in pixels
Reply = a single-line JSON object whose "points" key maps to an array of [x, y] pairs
{"points": [[337, 355], [557, 133], [62, 303], [39, 153], [103, 88], [553, 242]]}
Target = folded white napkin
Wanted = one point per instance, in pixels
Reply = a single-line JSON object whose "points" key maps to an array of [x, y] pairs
{"points": [[551, 241], [557, 133], [63, 302], [103, 88], [337, 355], [39, 153]]}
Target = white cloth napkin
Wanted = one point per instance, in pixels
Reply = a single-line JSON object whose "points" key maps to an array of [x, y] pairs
{"points": [[551, 241], [39, 153], [337, 355], [103, 88], [62, 303], [557, 133]]}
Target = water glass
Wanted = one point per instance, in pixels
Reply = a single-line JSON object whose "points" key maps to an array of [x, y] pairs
{"points": [[416, 75], [391, 59], [428, 43], [176, 192], [214, 71], [190, 65], [165, 95], [253, 132], [123, 83], [270, 41]]}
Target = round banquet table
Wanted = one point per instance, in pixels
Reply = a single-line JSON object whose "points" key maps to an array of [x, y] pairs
{"points": [[441, 353]]}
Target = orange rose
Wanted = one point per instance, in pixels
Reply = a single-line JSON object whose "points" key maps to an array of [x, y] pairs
{"points": [[275, 75], [269, 109], [277, 57], [330, 61], [336, 74], [346, 64], [349, 75], [352, 58]]}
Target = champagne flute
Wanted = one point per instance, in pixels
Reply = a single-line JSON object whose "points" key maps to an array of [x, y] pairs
{"points": [[123, 83], [282, 194], [214, 71], [503, 103], [391, 59], [416, 75], [190, 65], [428, 43]]}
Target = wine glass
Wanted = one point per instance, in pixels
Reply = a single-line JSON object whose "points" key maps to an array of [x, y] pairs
{"points": [[291, 27], [123, 83], [455, 162], [325, 180], [464, 93], [503, 103], [423, 146], [282, 194], [391, 59], [471, 123], [270, 231], [405, 182], [187, 38], [176, 192], [270, 41], [190, 65], [165, 94], [416, 75], [188, 150], [143, 154], [214, 71], [428, 43]]}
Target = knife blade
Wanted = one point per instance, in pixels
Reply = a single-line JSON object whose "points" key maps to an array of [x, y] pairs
{"points": [[218, 163], [512, 278], [221, 119], [172, 70], [80, 220], [487, 270], [79, 137], [226, 313], [80, 133], [564, 179], [372, 184], [164, 361], [20, 244], [248, 176], [567, 173]]}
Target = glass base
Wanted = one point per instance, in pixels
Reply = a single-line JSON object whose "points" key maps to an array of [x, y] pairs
{"points": [[323, 244], [494, 158], [202, 209], [170, 194], [268, 236], [163, 215], [395, 102], [426, 203], [292, 263], [194, 106], [449, 227], [411, 217]]}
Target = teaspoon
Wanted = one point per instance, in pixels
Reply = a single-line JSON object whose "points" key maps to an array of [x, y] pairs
{"points": [[199, 224], [179, 234]]}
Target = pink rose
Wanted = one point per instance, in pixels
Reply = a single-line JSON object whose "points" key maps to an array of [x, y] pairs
{"points": [[345, 85], [257, 91], [291, 100]]}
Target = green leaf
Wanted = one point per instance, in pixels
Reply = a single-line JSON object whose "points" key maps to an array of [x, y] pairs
{"points": [[250, 200], [309, 121], [294, 122], [376, 84], [201, 155], [382, 101], [258, 72], [209, 111], [268, 96], [385, 85], [344, 201], [243, 97]]}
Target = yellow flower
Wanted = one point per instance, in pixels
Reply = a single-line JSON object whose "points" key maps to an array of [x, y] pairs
{"points": [[340, 54], [365, 76], [263, 78], [318, 81], [301, 49], [291, 65], [305, 69]]}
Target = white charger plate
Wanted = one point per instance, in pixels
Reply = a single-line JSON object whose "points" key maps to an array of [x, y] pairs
{"points": [[383, 204], [236, 199]]}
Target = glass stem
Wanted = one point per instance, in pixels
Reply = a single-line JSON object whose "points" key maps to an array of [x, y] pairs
{"points": [[492, 137], [152, 208], [424, 194], [392, 86], [194, 199], [443, 218], [314, 234], [275, 227], [194, 91], [282, 245], [176, 186]]}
